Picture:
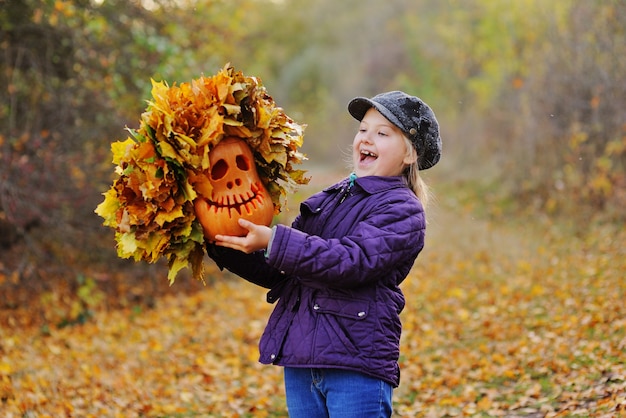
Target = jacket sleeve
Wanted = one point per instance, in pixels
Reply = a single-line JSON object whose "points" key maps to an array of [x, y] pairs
{"points": [[251, 267], [389, 238]]}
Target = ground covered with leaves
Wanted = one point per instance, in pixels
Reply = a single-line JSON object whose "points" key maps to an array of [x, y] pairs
{"points": [[513, 319]]}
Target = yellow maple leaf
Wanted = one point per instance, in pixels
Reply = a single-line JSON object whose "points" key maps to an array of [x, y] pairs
{"points": [[168, 151], [264, 117], [163, 216], [126, 244], [200, 183], [108, 208], [154, 245], [120, 149]]}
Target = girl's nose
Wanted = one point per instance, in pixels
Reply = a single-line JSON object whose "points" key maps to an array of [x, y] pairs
{"points": [[365, 137]]}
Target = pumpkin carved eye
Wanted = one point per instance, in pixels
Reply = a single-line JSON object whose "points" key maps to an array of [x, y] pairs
{"points": [[242, 163], [219, 170]]}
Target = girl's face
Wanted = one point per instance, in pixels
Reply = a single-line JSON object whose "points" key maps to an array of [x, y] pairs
{"points": [[379, 147]]}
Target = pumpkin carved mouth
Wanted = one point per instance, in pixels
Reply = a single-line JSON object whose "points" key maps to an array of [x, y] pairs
{"points": [[248, 203]]}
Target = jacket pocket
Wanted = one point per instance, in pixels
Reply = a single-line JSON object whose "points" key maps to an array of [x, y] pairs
{"points": [[356, 309], [344, 330]]}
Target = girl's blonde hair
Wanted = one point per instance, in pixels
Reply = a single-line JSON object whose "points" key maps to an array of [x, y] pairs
{"points": [[412, 175]]}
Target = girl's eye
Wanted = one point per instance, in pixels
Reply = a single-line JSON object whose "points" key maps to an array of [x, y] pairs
{"points": [[382, 133]]}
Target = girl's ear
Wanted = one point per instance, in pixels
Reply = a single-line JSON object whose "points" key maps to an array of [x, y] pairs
{"points": [[411, 156]]}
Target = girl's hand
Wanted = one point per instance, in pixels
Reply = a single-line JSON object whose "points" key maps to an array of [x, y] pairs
{"points": [[258, 238]]}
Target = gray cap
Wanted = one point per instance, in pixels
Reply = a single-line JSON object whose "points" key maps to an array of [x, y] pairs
{"points": [[409, 113]]}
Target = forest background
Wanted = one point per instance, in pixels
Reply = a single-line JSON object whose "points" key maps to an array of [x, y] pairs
{"points": [[530, 95]]}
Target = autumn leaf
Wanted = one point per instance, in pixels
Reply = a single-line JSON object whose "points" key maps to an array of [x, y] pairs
{"points": [[120, 148], [530, 322], [108, 208], [162, 166]]}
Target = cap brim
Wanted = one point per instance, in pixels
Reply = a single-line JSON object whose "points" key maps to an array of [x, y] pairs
{"points": [[359, 106]]}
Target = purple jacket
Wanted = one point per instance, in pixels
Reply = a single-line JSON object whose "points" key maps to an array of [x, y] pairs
{"points": [[335, 274]]}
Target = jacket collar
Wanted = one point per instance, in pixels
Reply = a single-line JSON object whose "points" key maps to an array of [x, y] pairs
{"points": [[372, 184]]}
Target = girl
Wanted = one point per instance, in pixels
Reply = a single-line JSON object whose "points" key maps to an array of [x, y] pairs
{"points": [[336, 271]]}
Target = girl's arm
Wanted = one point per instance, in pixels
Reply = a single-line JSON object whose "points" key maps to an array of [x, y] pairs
{"points": [[387, 240], [252, 267], [382, 246]]}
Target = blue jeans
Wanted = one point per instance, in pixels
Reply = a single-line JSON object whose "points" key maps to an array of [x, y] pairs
{"points": [[335, 393]]}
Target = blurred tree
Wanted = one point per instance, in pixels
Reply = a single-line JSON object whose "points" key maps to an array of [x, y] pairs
{"points": [[331, 52], [530, 87], [534, 89], [587, 97], [73, 71]]}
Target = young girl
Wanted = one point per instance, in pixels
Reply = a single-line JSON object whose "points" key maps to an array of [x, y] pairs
{"points": [[336, 271]]}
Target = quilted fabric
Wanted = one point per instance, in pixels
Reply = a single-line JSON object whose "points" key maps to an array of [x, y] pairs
{"points": [[336, 274]]}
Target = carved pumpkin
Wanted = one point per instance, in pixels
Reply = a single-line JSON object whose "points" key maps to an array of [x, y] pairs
{"points": [[237, 191]]}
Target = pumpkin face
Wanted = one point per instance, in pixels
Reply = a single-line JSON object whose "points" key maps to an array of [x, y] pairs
{"points": [[237, 191]]}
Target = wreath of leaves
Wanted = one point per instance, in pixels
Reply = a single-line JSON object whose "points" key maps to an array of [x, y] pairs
{"points": [[163, 166]]}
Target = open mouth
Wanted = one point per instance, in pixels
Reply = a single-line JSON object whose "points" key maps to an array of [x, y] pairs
{"points": [[239, 202], [367, 156]]}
